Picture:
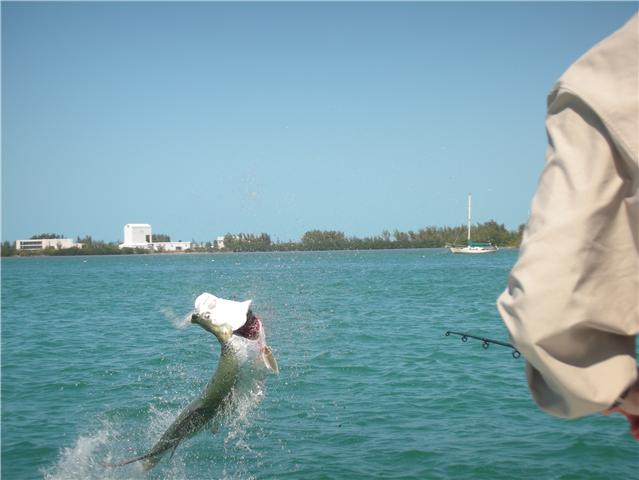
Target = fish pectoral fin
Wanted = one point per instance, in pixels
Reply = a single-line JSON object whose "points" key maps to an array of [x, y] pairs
{"points": [[269, 359]]}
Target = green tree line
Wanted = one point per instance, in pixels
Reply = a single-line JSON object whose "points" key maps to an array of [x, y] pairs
{"points": [[46, 235], [248, 242], [161, 237], [427, 237]]}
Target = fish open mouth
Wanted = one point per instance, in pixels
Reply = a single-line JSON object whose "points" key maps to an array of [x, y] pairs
{"points": [[251, 329]]}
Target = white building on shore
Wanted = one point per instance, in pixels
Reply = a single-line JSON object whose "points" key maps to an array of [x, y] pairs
{"points": [[171, 246], [137, 235], [140, 235], [42, 243], [219, 243]]}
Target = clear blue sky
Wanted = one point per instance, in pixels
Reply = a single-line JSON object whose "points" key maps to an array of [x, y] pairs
{"points": [[208, 118]]}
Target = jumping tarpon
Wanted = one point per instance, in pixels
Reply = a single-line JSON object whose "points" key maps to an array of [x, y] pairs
{"points": [[243, 343]]}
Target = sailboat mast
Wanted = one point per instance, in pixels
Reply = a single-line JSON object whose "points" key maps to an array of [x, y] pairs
{"points": [[469, 203]]}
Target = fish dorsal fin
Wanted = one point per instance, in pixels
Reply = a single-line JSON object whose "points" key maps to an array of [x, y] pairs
{"points": [[269, 359]]}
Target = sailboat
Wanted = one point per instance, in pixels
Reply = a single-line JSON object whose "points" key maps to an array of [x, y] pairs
{"points": [[473, 247]]}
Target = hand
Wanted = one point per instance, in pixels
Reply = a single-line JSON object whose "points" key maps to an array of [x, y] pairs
{"points": [[630, 408], [630, 402], [633, 420]]}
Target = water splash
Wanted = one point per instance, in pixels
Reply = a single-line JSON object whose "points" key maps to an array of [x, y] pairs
{"points": [[239, 417], [82, 460], [238, 413], [179, 321], [119, 438], [88, 457]]}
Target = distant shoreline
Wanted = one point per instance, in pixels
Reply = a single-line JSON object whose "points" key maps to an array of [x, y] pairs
{"points": [[35, 254], [313, 240]]}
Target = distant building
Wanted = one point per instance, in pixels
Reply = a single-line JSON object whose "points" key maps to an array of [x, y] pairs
{"points": [[219, 243], [137, 235], [42, 243], [171, 246], [140, 235]]}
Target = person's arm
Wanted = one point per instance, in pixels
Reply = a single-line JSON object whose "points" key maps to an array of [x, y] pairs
{"points": [[572, 305]]}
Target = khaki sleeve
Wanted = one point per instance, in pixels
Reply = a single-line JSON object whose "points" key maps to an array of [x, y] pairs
{"points": [[572, 305]]}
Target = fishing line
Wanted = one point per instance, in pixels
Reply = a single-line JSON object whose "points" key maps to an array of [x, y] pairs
{"points": [[486, 342]]}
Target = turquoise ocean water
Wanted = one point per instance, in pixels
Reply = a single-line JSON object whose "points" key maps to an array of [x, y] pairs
{"points": [[94, 366]]}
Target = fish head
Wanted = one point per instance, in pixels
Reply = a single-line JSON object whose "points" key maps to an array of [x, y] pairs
{"points": [[220, 316], [222, 331]]}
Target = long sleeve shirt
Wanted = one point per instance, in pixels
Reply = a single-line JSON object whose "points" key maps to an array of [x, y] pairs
{"points": [[572, 302]]}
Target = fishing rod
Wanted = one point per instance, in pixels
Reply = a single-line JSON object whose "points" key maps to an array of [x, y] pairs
{"points": [[486, 342]]}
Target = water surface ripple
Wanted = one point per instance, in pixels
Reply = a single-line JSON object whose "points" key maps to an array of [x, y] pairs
{"points": [[95, 366]]}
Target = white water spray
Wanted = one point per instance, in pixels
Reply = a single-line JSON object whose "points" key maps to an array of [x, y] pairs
{"points": [[178, 321]]}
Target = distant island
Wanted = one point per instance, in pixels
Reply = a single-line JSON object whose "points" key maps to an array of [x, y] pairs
{"points": [[312, 240]]}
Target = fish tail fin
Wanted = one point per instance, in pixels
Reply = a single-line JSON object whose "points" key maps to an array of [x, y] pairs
{"points": [[127, 461], [149, 459], [148, 462]]}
